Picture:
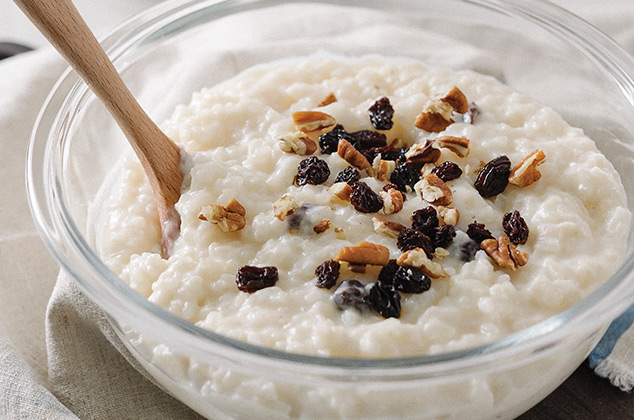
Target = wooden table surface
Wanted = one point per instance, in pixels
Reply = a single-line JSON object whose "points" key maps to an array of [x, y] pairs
{"points": [[584, 396]]}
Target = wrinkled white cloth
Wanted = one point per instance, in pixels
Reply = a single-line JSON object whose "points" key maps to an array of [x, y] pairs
{"points": [[67, 363]]}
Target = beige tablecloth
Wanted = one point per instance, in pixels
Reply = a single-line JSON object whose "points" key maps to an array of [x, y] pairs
{"points": [[84, 376]]}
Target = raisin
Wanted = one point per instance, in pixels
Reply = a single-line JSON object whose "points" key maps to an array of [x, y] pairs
{"points": [[388, 272], [410, 238], [368, 139], [406, 279], [312, 170], [384, 300], [365, 200], [468, 250], [447, 171], [349, 175], [328, 142], [390, 186], [251, 279], [381, 114], [327, 274], [387, 153], [478, 232], [351, 293], [444, 236], [515, 227], [404, 175], [425, 220], [493, 177]]}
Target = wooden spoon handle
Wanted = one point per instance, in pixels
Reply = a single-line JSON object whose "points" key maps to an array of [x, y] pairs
{"points": [[60, 22]]}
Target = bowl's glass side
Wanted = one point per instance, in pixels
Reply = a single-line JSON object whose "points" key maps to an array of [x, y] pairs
{"points": [[181, 47]]}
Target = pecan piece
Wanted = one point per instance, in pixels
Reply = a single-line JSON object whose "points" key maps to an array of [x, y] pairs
{"points": [[504, 253], [437, 113], [313, 123], [285, 206], [340, 191], [387, 228], [229, 218], [417, 257], [330, 98], [525, 173], [351, 155], [420, 154], [383, 168], [322, 226], [449, 216], [458, 145], [298, 143], [457, 100], [392, 201], [364, 253], [434, 190]]}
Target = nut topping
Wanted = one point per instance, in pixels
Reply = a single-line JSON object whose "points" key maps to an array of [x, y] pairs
{"points": [[504, 253], [340, 191], [457, 100], [285, 206], [330, 98], [449, 216], [420, 154], [392, 201], [351, 155], [383, 168], [322, 226], [434, 190], [387, 228], [229, 218], [458, 145], [364, 253], [313, 123], [298, 143], [418, 258], [525, 173]]}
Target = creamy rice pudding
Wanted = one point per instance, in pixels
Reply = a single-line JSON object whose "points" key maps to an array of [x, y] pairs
{"points": [[371, 207]]}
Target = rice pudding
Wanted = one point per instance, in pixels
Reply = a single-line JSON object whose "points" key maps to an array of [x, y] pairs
{"points": [[371, 207]]}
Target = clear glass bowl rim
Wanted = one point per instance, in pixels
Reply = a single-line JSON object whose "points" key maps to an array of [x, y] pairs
{"points": [[73, 253]]}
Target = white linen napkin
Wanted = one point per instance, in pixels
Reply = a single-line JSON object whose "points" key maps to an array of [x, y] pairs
{"points": [[89, 374]]}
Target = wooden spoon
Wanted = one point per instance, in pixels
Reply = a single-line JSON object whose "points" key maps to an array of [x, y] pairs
{"points": [[60, 22]]}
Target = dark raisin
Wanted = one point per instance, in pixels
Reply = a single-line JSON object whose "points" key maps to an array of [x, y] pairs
{"points": [[388, 272], [447, 171], [493, 177], [478, 232], [365, 200], [470, 116], [468, 250], [409, 239], [327, 274], [312, 170], [407, 280], [425, 220], [444, 236], [328, 142], [405, 175], [349, 175], [515, 227], [387, 153], [351, 293], [368, 139], [381, 114], [251, 279], [384, 300], [390, 186]]}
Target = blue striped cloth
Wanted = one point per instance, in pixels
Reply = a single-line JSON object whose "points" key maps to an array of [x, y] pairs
{"points": [[613, 357]]}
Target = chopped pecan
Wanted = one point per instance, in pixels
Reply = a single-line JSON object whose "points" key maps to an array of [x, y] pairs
{"points": [[330, 98], [383, 168], [298, 143], [392, 201], [420, 154], [437, 113], [285, 206], [525, 173], [434, 190], [387, 228], [322, 226], [458, 145], [364, 253], [340, 191], [504, 253], [351, 155], [313, 123], [417, 257], [449, 216], [457, 100], [229, 218]]}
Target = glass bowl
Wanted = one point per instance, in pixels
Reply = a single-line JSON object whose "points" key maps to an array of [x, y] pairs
{"points": [[174, 49]]}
